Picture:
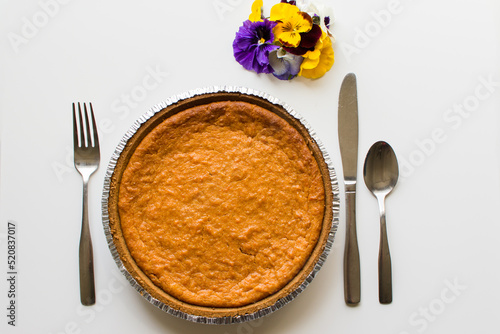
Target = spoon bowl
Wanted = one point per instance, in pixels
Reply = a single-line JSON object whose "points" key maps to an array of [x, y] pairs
{"points": [[381, 174], [381, 170]]}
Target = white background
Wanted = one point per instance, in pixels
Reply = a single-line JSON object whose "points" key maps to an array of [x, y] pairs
{"points": [[423, 69]]}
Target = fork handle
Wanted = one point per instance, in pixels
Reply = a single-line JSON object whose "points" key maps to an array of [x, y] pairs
{"points": [[87, 286]]}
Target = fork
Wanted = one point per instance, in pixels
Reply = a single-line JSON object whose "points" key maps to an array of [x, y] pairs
{"points": [[87, 156]]}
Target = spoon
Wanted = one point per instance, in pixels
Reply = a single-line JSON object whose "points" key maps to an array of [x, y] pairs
{"points": [[381, 174]]}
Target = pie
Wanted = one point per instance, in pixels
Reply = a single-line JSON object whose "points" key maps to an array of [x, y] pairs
{"points": [[221, 205]]}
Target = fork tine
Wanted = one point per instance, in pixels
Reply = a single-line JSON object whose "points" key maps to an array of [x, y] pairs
{"points": [[95, 136], [88, 142], [75, 128], [82, 133]]}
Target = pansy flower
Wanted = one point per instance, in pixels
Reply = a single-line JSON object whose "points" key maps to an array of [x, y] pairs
{"points": [[308, 41], [286, 66], [291, 23], [253, 43], [321, 14], [319, 61]]}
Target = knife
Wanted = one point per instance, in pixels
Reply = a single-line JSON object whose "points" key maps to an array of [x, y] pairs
{"points": [[348, 141]]}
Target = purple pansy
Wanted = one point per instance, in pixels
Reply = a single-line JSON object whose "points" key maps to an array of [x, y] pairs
{"points": [[252, 45]]}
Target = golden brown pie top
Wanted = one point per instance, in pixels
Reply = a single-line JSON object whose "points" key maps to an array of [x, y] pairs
{"points": [[221, 204]]}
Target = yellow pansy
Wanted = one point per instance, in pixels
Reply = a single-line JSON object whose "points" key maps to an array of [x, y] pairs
{"points": [[319, 61], [256, 15], [291, 22]]}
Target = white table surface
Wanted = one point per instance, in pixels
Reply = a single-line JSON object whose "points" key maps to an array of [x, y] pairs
{"points": [[428, 83]]}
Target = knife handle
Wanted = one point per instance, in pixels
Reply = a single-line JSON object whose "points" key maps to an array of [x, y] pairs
{"points": [[352, 285]]}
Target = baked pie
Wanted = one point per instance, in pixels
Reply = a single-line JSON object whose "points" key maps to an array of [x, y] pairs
{"points": [[220, 205]]}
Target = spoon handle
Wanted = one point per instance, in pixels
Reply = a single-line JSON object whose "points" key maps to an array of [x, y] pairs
{"points": [[384, 264]]}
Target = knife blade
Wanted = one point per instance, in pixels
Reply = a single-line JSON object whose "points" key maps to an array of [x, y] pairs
{"points": [[348, 142]]}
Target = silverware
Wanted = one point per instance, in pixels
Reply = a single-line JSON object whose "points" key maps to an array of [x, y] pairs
{"points": [[86, 151], [348, 140], [381, 175]]}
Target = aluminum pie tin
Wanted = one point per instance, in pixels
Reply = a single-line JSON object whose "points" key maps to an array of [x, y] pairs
{"points": [[272, 303]]}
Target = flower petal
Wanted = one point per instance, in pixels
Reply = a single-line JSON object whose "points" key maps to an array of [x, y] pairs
{"points": [[281, 11], [249, 49], [324, 64], [279, 66], [285, 65], [289, 39], [305, 23], [291, 23], [256, 14], [309, 39]]}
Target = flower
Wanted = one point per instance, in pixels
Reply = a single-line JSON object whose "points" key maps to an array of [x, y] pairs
{"points": [[319, 12], [291, 22], [285, 65], [252, 45], [295, 40], [308, 41], [256, 11], [319, 61]]}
